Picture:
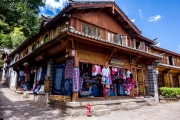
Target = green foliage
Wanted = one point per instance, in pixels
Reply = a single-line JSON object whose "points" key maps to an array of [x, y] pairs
{"points": [[21, 14], [1, 61], [170, 92], [17, 37]]}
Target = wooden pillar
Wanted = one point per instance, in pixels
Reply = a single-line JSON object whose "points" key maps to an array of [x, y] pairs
{"points": [[170, 80], [76, 64], [179, 79]]}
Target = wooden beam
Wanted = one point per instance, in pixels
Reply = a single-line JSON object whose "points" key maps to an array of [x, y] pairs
{"points": [[138, 57], [113, 51]]}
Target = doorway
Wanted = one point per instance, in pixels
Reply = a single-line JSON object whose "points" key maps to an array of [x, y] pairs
{"points": [[140, 80]]}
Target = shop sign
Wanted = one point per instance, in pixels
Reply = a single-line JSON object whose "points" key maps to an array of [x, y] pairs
{"points": [[47, 84], [116, 62], [76, 79], [139, 65]]}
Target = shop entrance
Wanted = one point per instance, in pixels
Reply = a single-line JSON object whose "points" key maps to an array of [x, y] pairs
{"points": [[140, 80]]}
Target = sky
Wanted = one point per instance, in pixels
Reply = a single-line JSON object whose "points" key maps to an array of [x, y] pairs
{"points": [[155, 18]]}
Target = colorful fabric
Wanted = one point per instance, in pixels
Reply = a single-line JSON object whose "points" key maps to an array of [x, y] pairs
{"points": [[58, 78], [105, 71], [107, 81], [39, 73], [110, 79]]}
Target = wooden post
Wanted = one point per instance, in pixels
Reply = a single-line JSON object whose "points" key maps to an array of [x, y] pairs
{"points": [[76, 64]]}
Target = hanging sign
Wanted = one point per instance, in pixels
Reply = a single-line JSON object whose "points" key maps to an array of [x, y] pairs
{"points": [[47, 84], [76, 79], [116, 62]]}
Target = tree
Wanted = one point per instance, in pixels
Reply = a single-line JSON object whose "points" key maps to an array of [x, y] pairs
{"points": [[21, 13], [18, 19], [17, 37]]}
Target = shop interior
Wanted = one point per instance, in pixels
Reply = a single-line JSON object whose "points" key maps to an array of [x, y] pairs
{"points": [[120, 81]]}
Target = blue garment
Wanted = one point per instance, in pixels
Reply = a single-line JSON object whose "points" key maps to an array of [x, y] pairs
{"points": [[95, 91], [107, 81], [37, 89], [120, 89]]}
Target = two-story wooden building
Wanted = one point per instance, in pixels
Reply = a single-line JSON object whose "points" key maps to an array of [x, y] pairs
{"points": [[168, 68], [85, 48]]}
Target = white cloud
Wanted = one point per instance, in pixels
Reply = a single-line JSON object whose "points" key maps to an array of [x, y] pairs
{"points": [[154, 18], [133, 20], [179, 47], [158, 44], [53, 5], [140, 13]]}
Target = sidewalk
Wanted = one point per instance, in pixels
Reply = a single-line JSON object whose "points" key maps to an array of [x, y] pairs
{"points": [[14, 107]]}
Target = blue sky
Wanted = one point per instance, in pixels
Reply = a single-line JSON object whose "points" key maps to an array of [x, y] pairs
{"points": [[155, 18]]}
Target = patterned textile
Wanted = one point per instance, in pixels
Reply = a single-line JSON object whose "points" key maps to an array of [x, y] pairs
{"points": [[58, 78], [67, 87], [113, 90], [69, 68], [120, 89]]}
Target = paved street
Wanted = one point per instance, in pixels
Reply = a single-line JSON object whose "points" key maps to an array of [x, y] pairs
{"points": [[14, 107]]}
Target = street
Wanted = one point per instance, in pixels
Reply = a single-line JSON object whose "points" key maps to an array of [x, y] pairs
{"points": [[14, 107]]}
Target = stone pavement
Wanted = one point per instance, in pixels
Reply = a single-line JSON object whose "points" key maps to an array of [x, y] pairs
{"points": [[14, 107]]}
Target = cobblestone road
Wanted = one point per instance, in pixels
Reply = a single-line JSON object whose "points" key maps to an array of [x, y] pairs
{"points": [[14, 107]]}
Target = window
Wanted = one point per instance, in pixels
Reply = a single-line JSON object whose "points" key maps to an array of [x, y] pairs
{"points": [[118, 39], [91, 30], [142, 46], [46, 38], [170, 60], [26, 51], [84, 28], [37, 44], [33, 47], [160, 80], [124, 41], [110, 37]]}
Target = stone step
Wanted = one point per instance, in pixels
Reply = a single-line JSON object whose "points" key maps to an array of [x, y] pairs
{"points": [[130, 103], [101, 112], [98, 107], [131, 107]]}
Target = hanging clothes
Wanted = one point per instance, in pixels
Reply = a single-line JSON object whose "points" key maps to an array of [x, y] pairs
{"points": [[39, 74], [105, 71]]}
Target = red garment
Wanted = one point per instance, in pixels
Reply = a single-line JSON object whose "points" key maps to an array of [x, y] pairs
{"points": [[113, 71], [93, 68], [26, 70]]}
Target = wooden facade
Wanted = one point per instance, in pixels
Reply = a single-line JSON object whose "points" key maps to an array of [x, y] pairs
{"points": [[96, 33]]}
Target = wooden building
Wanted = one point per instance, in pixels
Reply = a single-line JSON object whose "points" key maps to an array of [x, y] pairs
{"points": [[168, 68], [89, 34]]}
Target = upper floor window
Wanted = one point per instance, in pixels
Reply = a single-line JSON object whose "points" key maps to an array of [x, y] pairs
{"points": [[33, 47], [110, 37], [46, 38], [124, 41], [170, 60], [26, 51], [91, 30], [139, 45], [37, 44]]}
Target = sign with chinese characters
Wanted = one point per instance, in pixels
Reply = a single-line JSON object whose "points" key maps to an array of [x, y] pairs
{"points": [[76, 79], [116, 62]]}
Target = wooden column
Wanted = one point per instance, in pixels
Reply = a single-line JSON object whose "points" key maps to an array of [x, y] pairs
{"points": [[76, 64]]}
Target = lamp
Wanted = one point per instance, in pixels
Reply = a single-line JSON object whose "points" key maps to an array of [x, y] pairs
{"points": [[67, 54]]}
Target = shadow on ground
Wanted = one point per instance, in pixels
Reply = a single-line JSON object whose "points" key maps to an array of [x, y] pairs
{"points": [[12, 106]]}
